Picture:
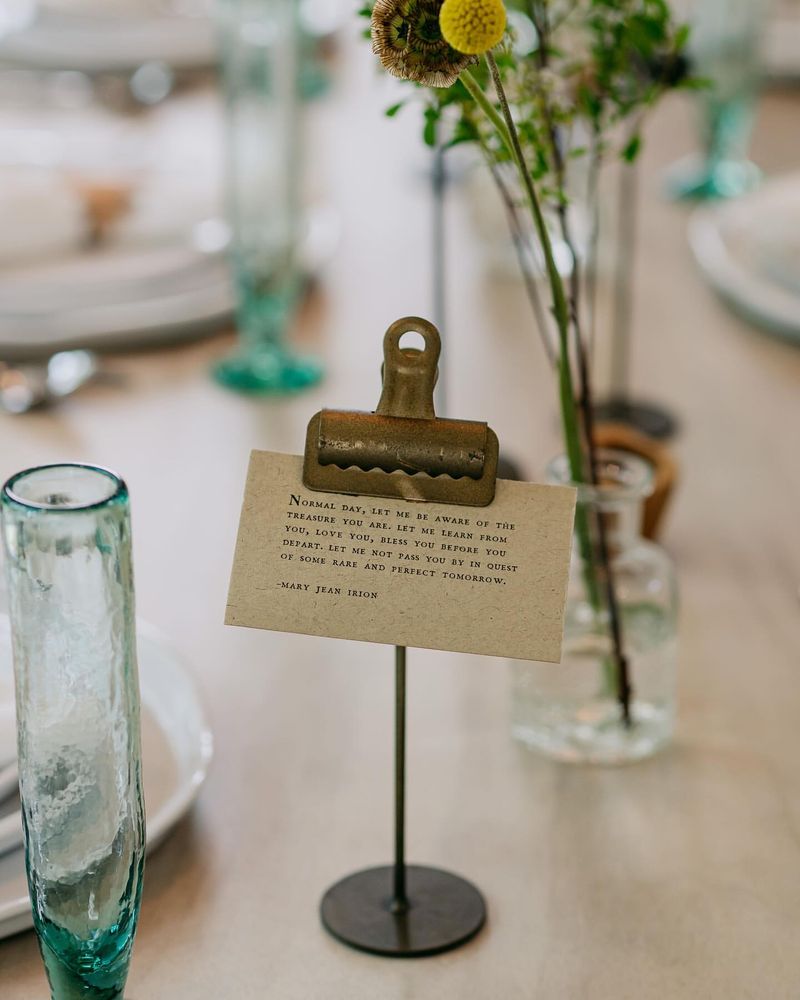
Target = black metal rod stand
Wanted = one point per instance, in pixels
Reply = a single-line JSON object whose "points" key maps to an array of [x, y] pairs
{"points": [[620, 407], [400, 899], [400, 910]]}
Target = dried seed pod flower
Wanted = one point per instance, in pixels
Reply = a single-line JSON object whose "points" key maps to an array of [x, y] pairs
{"points": [[407, 38]]}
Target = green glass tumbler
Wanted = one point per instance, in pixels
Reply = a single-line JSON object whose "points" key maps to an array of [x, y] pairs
{"points": [[260, 57], [725, 49], [67, 542]]}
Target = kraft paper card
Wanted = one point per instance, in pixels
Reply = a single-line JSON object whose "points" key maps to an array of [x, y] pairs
{"points": [[488, 580]]}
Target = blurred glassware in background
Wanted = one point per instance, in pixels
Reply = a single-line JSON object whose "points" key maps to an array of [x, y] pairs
{"points": [[260, 75], [67, 546], [317, 20], [571, 711], [725, 51]]}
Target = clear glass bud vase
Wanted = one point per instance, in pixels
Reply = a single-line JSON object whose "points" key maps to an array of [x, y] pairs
{"points": [[571, 711], [66, 533]]}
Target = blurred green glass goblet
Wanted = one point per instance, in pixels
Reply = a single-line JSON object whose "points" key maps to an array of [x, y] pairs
{"points": [[724, 50], [260, 59]]}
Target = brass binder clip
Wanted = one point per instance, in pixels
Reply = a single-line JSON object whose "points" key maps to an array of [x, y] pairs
{"points": [[403, 449]]}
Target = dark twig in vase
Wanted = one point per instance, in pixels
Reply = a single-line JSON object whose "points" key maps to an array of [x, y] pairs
{"points": [[624, 690], [628, 199], [592, 201]]}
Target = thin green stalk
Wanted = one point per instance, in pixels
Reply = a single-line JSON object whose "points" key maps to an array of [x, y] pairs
{"points": [[510, 138], [569, 412], [508, 133], [616, 670], [566, 391], [470, 81]]}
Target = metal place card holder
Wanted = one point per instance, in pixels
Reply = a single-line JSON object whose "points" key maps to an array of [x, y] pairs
{"points": [[403, 451]]}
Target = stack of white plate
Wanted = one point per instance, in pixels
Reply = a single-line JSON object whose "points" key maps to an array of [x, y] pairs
{"points": [[112, 35], [115, 298], [749, 251], [176, 751], [160, 271]]}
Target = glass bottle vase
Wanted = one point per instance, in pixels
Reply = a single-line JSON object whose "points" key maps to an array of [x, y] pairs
{"points": [[571, 711], [67, 542], [259, 42]]}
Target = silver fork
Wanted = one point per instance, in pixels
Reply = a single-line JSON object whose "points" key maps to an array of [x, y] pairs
{"points": [[26, 386]]}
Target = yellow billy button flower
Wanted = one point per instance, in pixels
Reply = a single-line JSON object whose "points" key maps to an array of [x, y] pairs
{"points": [[472, 26]]}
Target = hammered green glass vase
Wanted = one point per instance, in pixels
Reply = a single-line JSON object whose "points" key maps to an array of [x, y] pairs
{"points": [[67, 542]]}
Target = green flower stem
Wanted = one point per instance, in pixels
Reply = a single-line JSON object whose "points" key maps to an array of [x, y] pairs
{"points": [[560, 307], [506, 129], [569, 410], [470, 81]]}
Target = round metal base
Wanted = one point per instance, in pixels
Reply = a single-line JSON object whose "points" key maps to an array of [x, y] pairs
{"points": [[648, 418], [444, 912]]}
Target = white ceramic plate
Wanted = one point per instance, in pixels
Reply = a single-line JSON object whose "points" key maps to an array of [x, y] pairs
{"points": [[118, 41], [176, 748], [96, 37], [133, 297], [749, 251], [114, 300]]}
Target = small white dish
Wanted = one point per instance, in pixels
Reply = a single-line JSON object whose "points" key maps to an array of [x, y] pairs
{"points": [[177, 747]]}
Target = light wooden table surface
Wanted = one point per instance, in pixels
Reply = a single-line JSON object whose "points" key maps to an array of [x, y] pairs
{"points": [[675, 878]]}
